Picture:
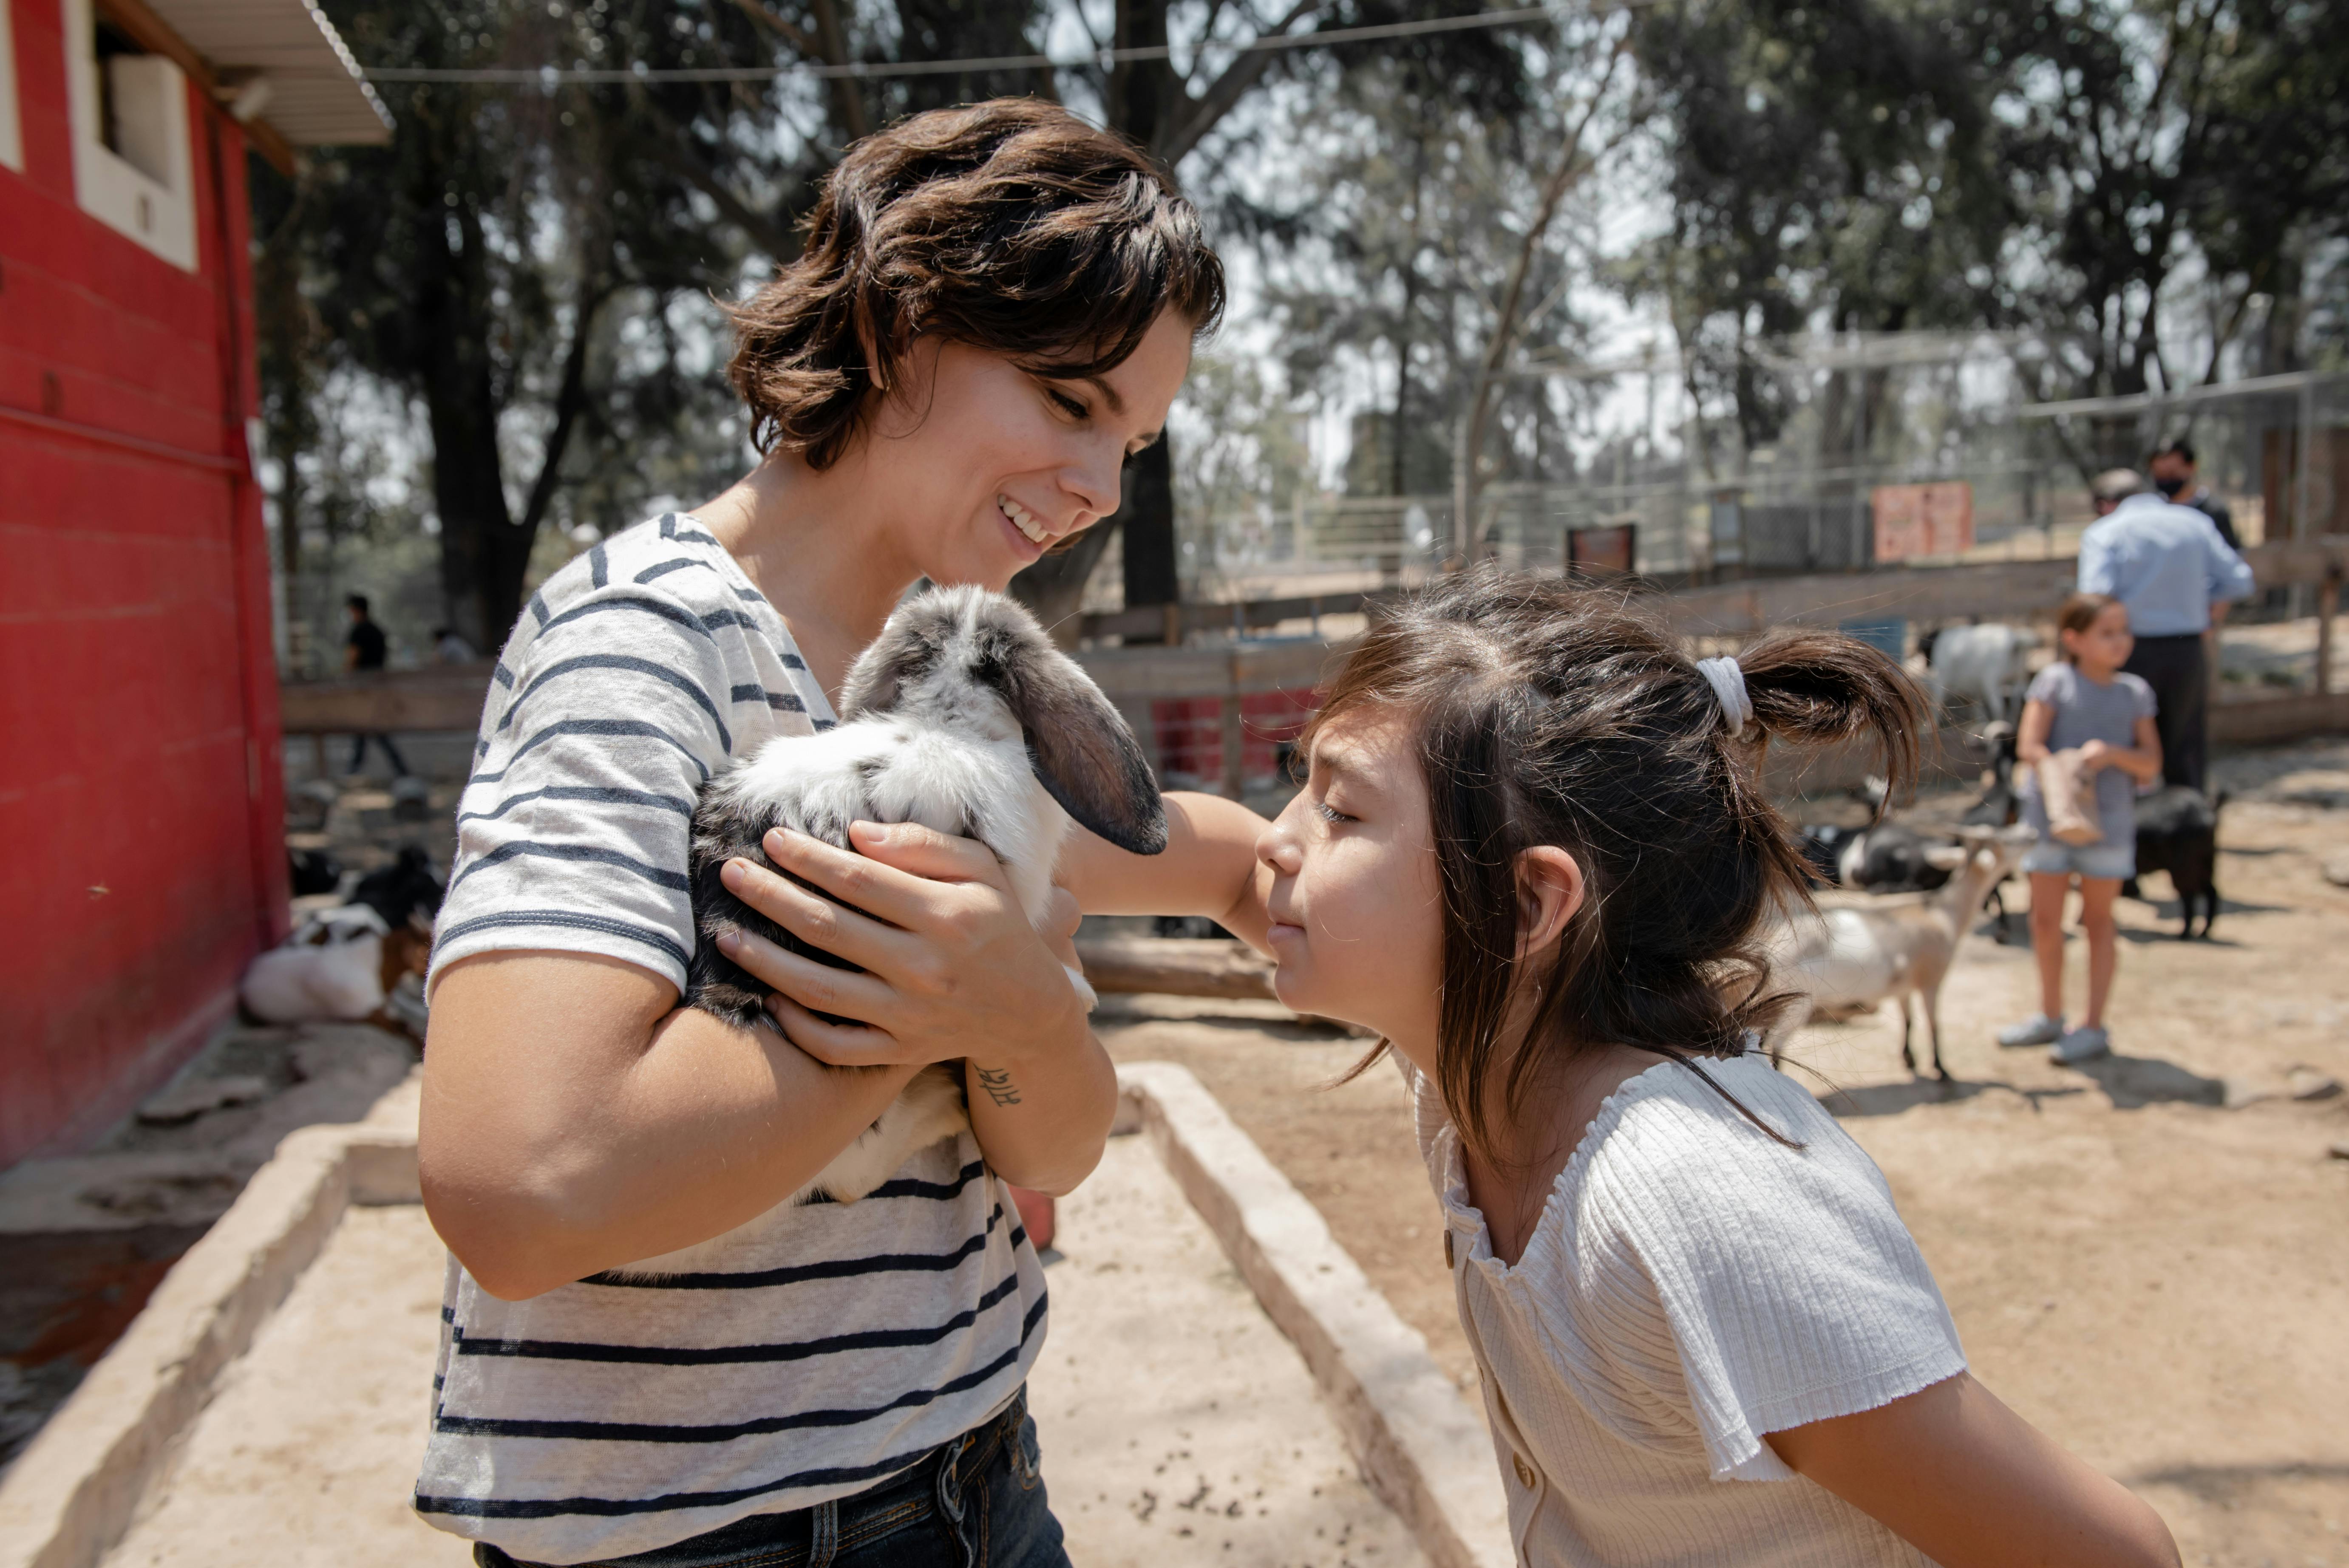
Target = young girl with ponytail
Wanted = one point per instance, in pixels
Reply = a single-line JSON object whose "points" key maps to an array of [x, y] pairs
{"points": [[1533, 851]]}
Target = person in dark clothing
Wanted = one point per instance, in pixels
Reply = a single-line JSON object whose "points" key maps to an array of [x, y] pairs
{"points": [[364, 649], [2173, 476], [2168, 565]]}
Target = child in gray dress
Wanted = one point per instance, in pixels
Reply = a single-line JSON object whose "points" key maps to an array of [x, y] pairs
{"points": [[2087, 706]]}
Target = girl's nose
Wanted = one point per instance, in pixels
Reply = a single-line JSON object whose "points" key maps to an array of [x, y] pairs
{"points": [[1277, 847]]}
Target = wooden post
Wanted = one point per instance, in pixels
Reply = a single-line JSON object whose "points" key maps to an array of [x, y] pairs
{"points": [[1232, 742], [2328, 604]]}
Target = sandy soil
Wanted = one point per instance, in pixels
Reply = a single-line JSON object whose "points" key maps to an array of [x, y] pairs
{"points": [[2158, 1280]]}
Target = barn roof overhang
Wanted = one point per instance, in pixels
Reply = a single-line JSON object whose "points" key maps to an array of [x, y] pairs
{"points": [[278, 67]]}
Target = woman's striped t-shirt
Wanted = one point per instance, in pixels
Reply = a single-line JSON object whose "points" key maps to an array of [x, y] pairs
{"points": [[605, 1417]]}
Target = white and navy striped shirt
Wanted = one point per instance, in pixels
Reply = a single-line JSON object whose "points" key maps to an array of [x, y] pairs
{"points": [[608, 1417]]}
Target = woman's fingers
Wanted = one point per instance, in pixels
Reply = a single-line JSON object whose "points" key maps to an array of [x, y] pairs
{"points": [[815, 984], [926, 853], [816, 920], [892, 879], [1062, 915], [837, 1045]]}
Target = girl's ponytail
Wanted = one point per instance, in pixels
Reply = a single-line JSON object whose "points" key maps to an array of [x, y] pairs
{"points": [[1819, 688]]}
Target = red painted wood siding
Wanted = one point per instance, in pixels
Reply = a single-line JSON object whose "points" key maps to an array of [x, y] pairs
{"points": [[141, 810]]}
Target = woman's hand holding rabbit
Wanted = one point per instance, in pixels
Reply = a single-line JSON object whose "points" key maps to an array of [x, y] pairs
{"points": [[952, 970], [951, 966]]}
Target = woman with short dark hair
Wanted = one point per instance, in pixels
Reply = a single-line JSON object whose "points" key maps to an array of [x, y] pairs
{"points": [[995, 308]]}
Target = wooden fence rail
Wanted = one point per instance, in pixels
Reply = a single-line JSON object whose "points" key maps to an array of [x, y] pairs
{"points": [[449, 697]]}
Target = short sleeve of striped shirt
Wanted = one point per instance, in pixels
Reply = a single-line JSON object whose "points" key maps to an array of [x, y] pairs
{"points": [[638, 672]]}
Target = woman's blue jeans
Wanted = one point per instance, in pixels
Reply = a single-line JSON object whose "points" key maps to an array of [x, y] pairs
{"points": [[975, 1503]]}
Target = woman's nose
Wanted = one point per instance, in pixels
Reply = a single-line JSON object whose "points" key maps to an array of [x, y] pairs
{"points": [[1095, 478]]}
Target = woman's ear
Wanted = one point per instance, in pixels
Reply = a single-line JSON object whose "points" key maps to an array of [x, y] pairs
{"points": [[1549, 890]]}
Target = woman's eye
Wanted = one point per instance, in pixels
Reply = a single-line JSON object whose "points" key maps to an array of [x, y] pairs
{"points": [[1332, 814], [1067, 405]]}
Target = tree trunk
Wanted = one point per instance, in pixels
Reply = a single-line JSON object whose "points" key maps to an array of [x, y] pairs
{"points": [[482, 554]]}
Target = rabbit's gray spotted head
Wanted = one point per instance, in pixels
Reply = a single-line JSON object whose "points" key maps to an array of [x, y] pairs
{"points": [[966, 660]]}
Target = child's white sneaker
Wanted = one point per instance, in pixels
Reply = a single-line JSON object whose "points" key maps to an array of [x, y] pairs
{"points": [[2038, 1030], [2080, 1044]]}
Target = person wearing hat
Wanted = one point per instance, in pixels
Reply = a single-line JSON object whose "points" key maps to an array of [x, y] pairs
{"points": [[2167, 564]]}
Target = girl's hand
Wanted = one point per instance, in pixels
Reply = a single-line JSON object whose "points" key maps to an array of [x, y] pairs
{"points": [[2094, 756], [952, 968]]}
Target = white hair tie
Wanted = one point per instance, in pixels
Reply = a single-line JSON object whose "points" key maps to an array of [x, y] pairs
{"points": [[1728, 682]]}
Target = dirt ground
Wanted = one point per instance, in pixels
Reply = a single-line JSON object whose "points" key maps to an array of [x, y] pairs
{"points": [[2151, 1258]]}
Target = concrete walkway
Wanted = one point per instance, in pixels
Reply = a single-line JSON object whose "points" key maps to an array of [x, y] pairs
{"points": [[1178, 1426]]}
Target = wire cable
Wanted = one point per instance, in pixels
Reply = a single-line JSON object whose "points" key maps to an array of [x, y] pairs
{"points": [[559, 76]]}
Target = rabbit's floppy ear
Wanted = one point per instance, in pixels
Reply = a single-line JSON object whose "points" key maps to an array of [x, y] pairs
{"points": [[1083, 754]]}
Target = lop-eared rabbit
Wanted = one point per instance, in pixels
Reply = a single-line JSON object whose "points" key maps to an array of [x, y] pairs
{"points": [[962, 717]]}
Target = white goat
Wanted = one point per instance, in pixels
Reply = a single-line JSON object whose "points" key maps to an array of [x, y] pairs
{"points": [[1984, 664], [341, 965], [1851, 958]]}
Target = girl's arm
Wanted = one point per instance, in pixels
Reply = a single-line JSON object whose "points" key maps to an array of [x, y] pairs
{"points": [[2141, 760], [1970, 1484], [1209, 867], [2031, 736]]}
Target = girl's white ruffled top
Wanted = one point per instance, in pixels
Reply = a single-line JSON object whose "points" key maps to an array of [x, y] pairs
{"points": [[1690, 1286]]}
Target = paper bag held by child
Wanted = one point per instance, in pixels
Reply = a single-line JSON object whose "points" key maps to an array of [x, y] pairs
{"points": [[2069, 792]]}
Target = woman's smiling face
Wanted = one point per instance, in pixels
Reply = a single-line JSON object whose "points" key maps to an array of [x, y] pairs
{"points": [[987, 464], [1357, 914]]}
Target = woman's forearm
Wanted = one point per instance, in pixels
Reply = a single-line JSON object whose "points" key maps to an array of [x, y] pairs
{"points": [[575, 1119], [1041, 1122]]}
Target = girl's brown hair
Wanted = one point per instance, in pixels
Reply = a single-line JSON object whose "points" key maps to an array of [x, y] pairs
{"points": [[2078, 614], [1551, 715], [1011, 225]]}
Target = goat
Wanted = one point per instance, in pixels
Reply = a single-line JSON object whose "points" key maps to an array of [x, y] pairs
{"points": [[341, 965], [402, 890], [1849, 959], [1998, 808], [2178, 832], [1984, 664]]}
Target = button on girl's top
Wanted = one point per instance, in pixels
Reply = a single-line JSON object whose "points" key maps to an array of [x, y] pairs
{"points": [[1691, 1287]]}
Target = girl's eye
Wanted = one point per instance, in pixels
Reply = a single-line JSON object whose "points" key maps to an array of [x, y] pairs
{"points": [[1066, 404], [1332, 814]]}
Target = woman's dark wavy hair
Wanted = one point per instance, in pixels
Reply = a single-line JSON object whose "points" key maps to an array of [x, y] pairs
{"points": [[1009, 225], [1547, 714]]}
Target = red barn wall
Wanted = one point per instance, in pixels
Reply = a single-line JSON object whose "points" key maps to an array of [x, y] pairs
{"points": [[141, 845]]}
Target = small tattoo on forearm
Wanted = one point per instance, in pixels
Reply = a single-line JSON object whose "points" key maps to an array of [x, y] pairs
{"points": [[999, 1086]]}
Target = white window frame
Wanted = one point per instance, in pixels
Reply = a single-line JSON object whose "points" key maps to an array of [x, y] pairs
{"points": [[158, 213], [12, 135]]}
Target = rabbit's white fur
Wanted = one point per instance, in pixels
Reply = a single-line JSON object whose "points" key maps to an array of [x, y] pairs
{"points": [[947, 752]]}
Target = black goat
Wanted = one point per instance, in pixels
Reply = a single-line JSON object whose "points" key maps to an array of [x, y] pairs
{"points": [[312, 871], [1998, 807], [404, 886], [2178, 832]]}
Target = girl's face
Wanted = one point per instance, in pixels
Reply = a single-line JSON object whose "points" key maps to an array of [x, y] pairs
{"points": [[1356, 908], [2104, 645], [986, 466]]}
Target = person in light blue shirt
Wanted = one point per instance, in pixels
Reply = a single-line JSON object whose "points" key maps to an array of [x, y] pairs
{"points": [[2168, 565]]}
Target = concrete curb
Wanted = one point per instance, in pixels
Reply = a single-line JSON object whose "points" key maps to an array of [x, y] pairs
{"points": [[73, 1492], [1422, 1449]]}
